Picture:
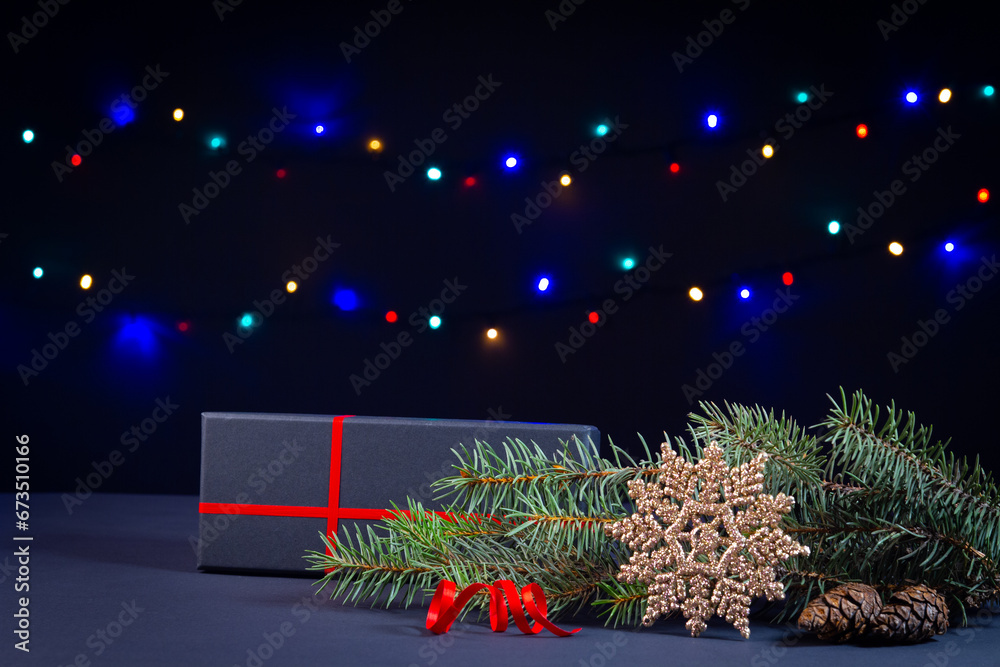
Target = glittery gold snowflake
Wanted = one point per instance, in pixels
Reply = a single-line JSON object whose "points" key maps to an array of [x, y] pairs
{"points": [[706, 539]]}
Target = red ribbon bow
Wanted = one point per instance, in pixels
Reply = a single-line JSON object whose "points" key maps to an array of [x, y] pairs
{"points": [[445, 608]]}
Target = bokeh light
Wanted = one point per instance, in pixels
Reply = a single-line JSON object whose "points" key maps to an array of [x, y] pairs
{"points": [[38, 272], [833, 227], [434, 173], [988, 91], [768, 150], [802, 97], [391, 316], [593, 317], [28, 136], [281, 173], [375, 145], [787, 278], [696, 294], [76, 160], [470, 181], [491, 334], [601, 130], [896, 248], [911, 97], [944, 95], [178, 114], [862, 131], [674, 167], [745, 293], [983, 196], [543, 284], [291, 286], [565, 180], [434, 322], [949, 246], [345, 299], [320, 129], [510, 162], [712, 121], [86, 281], [628, 263]]}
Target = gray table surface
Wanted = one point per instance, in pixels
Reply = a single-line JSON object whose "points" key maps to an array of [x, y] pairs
{"points": [[114, 583]]}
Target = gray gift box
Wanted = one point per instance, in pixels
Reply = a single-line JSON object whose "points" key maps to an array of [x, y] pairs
{"points": [[270, 483]]}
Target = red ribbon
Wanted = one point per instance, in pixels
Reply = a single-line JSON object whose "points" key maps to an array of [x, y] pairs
{"points": [[445, 607]]}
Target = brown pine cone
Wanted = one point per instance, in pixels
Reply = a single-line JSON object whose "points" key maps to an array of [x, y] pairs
{"points": [[844, 612], [913, 614]]}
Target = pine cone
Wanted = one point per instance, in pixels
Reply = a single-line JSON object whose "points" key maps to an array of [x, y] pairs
{"points": [[844, 612], [913, 614]]}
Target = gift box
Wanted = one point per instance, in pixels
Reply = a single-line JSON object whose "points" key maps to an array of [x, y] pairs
{"points": [[270, 483]]}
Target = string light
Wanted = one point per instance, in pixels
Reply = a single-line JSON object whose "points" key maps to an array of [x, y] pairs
{"points": [[434, 322], [745, 293], [434, 173], [246, 321], [949, 246], [628, 263], [345, 299], [38, 272], [178, 114], [543, 284], [28, 136], [988, 91], [375, 146], [696, 294], [787, 278], [291, 286], [391, 316], [491, 334], [862, 131], [802, 97], [911, 97], [674, 167], [945, 95], [768, 150], [216, 142], [86, 281], [320, 129], [593, 317], [983, 196], [712, 121], [833, 227], [565, 180], [510, 162], [896, 248], [601, 130], [76, 160]]}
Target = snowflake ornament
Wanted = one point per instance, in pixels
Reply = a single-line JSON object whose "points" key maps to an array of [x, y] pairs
{"points": [[705, 539]]}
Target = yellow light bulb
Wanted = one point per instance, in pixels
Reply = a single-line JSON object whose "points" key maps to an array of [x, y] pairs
{"points": [[696, 294], [768, 150], [565, 180]]}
